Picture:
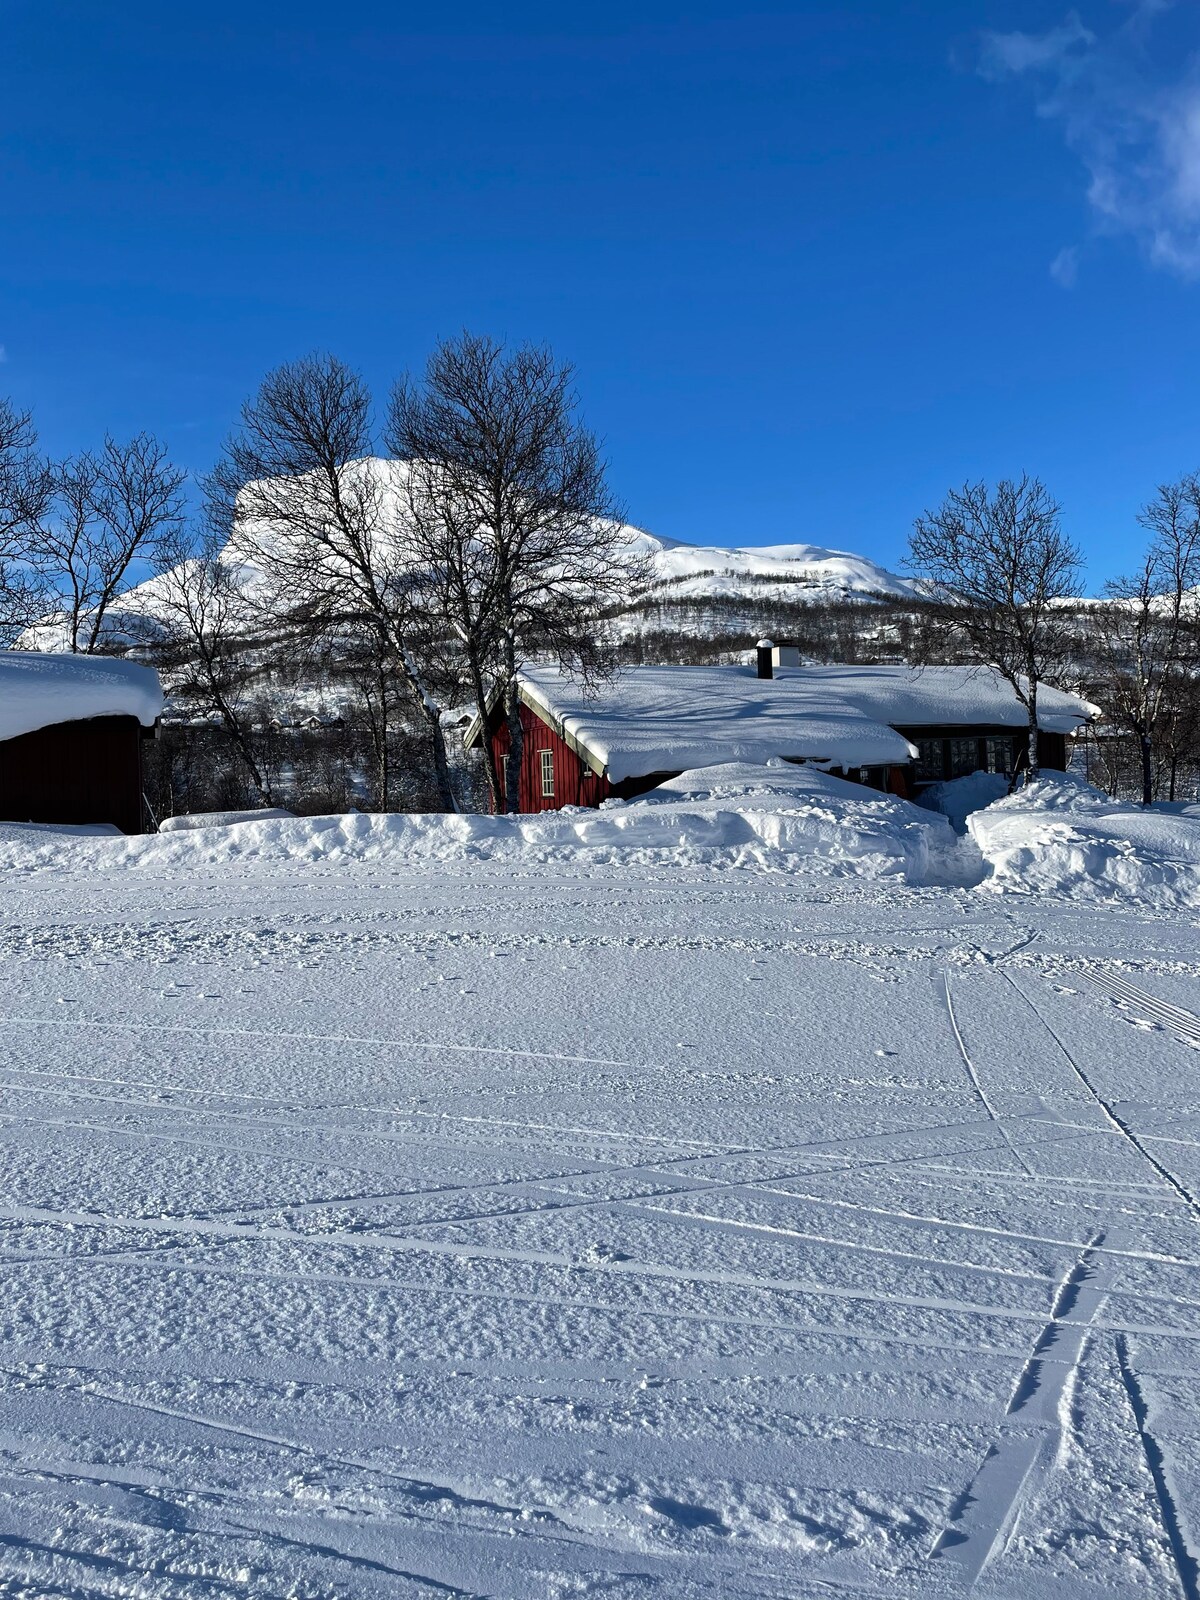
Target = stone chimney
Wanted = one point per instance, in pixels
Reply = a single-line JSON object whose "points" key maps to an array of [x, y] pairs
{"points": [[766, 653]]}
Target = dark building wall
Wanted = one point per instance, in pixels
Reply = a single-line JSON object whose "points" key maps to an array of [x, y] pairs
{"points": [[955, 752], [89, 771]]}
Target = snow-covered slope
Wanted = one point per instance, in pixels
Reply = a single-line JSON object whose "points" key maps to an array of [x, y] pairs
{"points": [[794, 572]]}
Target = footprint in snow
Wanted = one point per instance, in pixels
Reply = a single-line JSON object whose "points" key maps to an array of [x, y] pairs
{"points": [[685, 1515], [606, 1253]]}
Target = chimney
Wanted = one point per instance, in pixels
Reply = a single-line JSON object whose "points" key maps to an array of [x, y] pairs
{"points": [[765, 654]]}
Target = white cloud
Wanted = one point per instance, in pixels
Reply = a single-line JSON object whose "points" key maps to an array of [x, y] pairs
{"points": [[1064, 269], [1134, 124], [1027, 52]]}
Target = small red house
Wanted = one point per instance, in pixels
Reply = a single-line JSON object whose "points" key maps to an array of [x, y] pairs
{"points": [[71, 732], [895, 728]]}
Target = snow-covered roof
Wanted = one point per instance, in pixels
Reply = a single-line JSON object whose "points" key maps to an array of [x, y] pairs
{"points": [[944, 697], [38, 689], [670, 719]]}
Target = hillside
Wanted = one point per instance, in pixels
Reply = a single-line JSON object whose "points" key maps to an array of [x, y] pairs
{"points": [[786, 572]]}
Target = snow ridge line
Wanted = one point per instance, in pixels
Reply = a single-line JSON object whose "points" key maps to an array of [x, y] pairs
{"points": [[1186, 1565], [1115, 1121], [948, 999]]}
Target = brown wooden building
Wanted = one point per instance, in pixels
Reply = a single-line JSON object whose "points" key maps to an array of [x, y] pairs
{"points": [[71, 735]]}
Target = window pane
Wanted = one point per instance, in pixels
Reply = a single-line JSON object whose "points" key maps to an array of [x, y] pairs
{"points": [[1000, 756], [964, 757], [929, 759], [547, 772]]}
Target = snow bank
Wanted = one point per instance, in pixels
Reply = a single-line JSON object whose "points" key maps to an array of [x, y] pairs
{"points": [[783, 818], [37, 690], [1060, 836], [957, 798]]}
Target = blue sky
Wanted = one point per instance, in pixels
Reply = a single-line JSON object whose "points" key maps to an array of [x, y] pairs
{"points": [[814, 262]]}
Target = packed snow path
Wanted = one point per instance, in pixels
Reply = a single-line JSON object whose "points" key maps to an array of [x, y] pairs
{"points": [[374, 1231]]}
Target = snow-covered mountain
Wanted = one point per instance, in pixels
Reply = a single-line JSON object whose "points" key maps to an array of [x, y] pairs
{"points": [[788, 572], [690, 585]]}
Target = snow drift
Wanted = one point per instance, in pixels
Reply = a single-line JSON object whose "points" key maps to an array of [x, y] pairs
{"points": [[1060, 836]]}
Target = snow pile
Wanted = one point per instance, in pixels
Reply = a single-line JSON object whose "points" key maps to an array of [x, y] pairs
{"points": [[1060, 836], [783, 818], [957, 798], [38, 690]]}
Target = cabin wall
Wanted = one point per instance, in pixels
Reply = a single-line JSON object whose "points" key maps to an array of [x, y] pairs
{"points": [[75, 772], [574, 782]]}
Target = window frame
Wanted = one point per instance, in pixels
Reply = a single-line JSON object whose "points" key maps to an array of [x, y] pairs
{"points": [[546, 762]]}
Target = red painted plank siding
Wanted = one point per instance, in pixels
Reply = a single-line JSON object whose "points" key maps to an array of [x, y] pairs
{"points": [[87, 771], [575, 784]]}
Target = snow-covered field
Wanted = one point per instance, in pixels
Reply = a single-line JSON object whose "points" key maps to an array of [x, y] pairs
{"points": [[728, 1214]]}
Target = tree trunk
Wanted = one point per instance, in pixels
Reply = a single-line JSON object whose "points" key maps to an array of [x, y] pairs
{"points": [[495, 790], [1034, 768], [441, 765], [1147, 771], [516, 750], [431, 711], [516, 732]]}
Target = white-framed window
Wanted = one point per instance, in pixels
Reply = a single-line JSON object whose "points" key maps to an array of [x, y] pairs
{"points": [[547, 758]]}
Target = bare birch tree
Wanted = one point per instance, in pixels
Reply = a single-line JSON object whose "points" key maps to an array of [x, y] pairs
{"points": [[26, 491], [510, 515], [199, 611], [996, 562], [1147, 630], [107, 510], [303, 501]]}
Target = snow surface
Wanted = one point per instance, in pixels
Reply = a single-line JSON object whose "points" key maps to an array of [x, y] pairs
{"points": [[539, 1223], [37, 690], [1060, 836], [669, 719]]}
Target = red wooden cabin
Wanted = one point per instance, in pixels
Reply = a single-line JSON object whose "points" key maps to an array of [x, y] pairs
{"points": [[896, 729]]}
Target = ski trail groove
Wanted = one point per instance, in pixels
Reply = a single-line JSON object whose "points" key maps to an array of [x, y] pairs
{"points": [[1114, 1120], [948, 1000], [1186, 1565], [1183, 1023], [1031, 1435]]}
